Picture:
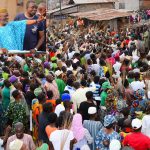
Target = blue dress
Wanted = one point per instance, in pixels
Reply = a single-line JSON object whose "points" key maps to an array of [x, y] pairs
{"points": [[101, 136], [12, 35]]}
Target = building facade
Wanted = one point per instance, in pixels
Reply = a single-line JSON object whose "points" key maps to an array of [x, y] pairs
{"points": [[13, 6], [131, 5], [144, 4]]}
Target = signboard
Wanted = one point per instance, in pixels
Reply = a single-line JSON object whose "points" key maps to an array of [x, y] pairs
{"points": [[60, 17]]}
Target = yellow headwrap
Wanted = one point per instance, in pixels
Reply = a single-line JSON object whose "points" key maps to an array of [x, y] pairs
{"points": [[3, 10]]}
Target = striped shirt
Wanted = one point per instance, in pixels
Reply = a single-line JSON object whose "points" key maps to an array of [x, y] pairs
{"points": [[96, 93], [93, 127]]}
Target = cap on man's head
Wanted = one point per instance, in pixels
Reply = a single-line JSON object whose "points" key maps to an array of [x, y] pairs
{"points": [[46, 64], [92, 110], [3, 10], [136, 124], [13, 79], [65, 97], [15, 145], [53, 59], [58, 73], [37, 91], [115, 145], [106, 85]]}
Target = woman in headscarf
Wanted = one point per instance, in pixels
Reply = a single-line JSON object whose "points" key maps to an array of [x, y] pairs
{"points": [[106, 134], [138, 105], [80, 133]]}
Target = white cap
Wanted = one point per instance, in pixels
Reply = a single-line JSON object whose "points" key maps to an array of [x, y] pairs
{"points": [[136, 123], [136, 70], [58, 73], [15, 145], [92, 110], [75, 60], [59, 108], [114, 145]]}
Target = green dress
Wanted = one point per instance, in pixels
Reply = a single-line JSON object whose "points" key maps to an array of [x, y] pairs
{"points": [[26, 68], [103, 98], [61, 85], [16, 113], [5, 97]]}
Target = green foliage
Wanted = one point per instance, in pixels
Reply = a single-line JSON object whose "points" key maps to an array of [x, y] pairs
{"points": [[38, 1]]}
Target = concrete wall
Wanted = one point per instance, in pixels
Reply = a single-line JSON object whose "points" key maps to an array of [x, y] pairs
{"points": [[113, 24], [91, 7], [144, 4], [12, 7], [129, 4]]}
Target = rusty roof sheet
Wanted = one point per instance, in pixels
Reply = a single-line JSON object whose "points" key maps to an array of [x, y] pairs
{"points": [[93, 1], [102, 14]]}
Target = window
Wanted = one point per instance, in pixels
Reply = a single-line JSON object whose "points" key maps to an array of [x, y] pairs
{"points": [[121, 5]]}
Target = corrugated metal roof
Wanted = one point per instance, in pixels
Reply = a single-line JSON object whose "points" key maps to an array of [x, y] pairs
{"points": [[93, 1], [102, 14]]}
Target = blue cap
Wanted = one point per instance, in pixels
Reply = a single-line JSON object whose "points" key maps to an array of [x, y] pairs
{"points": [[65, 97]]}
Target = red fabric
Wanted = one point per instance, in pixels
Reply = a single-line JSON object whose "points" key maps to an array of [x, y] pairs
{"points": [[137, 141], [28, 55], [127, 41], [111, 61], [52, 54], [125, 68]]}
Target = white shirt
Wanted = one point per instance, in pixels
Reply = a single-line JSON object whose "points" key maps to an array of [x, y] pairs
{"points": [[117, 66], [70, 89], [146, 125], [70, 55], [136, 85], [96, 68], [79, 96], [59, 137]]}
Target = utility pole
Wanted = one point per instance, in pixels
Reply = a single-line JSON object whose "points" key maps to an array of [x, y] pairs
{"points": [[60, 10], [60, 7]]}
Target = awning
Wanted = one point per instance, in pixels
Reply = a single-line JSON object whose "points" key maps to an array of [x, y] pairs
{"points": [[102, 14]]}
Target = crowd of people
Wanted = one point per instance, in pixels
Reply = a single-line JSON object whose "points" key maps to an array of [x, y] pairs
{"points": [[89, 91], [140, 16]]}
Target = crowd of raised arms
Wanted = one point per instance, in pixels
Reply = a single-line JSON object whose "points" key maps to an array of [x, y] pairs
{"points": [[90, 90]]}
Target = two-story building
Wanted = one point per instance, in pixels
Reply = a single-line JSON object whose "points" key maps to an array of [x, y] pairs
{"points": [[93, 10]]}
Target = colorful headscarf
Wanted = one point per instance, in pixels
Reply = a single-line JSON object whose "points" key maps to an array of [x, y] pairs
{"points": [[138, 93], [109, 119], [77, 127]]}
